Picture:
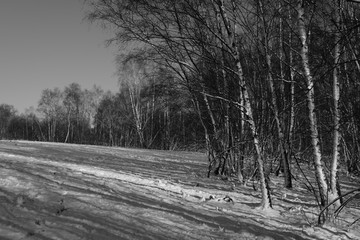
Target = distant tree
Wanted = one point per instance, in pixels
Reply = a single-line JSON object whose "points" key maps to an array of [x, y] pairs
{"points": [[7, 112], [92, 99], [133, 76], [51, 106], [106, 120], [72, 101], [17, 128], [33, 125]]}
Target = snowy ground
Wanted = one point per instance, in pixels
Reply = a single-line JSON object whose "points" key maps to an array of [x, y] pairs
{"points": [[63, 191]]}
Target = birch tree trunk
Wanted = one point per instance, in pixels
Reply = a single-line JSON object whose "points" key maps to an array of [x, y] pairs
{"points": [[292, 89], [280, 128], [336, 110], [319, 171], [240, 161], [68, 127], [266, 200], [136, 108]]}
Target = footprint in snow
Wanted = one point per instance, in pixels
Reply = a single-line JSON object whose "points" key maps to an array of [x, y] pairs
{"points": [[224, 199]]}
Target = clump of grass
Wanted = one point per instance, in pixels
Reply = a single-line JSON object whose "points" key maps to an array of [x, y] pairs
{"points": [[325, 215]]}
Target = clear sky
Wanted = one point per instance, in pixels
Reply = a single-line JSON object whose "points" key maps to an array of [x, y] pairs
{"points": [[47, 44]]}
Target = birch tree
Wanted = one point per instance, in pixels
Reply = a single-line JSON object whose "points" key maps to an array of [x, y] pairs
{"points": [[266, 200], [317, 157], [133, 78], [279, 123], [336, 110], [184, 46], [72, 101], [50, 104]]}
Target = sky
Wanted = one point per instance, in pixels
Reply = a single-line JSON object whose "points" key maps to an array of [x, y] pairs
{"points": [[48, 44]]}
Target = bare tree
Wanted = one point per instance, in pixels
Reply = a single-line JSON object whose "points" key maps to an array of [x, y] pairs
{"points": [[133, 78], [319, 169], [50, 104], [266, 200], [6, 113], [72, 101], [284, 148]]}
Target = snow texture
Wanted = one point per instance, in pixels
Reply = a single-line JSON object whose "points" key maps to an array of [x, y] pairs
{"points": [[65, 191]]}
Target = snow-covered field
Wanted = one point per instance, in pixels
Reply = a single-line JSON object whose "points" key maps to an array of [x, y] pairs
{"points": [[64, 191]]}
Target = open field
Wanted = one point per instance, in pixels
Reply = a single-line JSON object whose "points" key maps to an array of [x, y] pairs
{"points": [[64, 191]]}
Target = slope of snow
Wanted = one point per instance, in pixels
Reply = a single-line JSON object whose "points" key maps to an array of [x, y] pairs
{"points": [[64, 191]]}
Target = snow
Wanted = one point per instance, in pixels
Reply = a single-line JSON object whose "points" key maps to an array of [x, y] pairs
{"points": [[65, 191]]}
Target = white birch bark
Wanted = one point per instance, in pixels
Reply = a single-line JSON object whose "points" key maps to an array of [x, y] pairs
{"points": [[336, 111], [292, 88], [266, 201], [319, 171], [136, 108]]}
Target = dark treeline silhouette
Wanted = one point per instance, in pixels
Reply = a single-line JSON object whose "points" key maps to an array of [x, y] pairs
{"points": [[156, 118]]}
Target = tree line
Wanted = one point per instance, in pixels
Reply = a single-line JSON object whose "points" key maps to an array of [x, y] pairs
{"points": [[144, 117], [274, 80]]}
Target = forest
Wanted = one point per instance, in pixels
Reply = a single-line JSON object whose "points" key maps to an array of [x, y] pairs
{"points": [[257, 85]]}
